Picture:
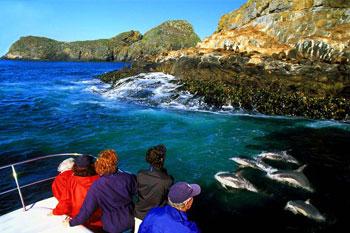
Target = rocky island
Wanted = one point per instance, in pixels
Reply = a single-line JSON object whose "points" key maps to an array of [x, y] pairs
{"points": [[170, 35], [276, 57]]}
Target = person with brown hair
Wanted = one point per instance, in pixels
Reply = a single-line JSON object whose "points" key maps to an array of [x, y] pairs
{"points": [[113, 193], [152, 184], [78, 184]]}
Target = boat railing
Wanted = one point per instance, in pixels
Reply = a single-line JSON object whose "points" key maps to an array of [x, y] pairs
{"points": [[14, 174]]}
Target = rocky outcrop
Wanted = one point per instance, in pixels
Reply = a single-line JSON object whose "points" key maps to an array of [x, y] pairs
{"points": [[171, 35], [277, 57], [314, 29], [255, 83]]}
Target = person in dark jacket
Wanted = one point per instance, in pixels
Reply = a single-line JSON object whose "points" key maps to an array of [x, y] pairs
{"points": [[113, 193], [152, 184], [172, 218]]}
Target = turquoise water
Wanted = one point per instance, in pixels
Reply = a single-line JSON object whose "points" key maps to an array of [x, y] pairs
{"points": [[58, 107]]}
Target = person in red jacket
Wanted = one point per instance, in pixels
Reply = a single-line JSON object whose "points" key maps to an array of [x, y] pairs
{"points": [[77, 188], [59, 185]]}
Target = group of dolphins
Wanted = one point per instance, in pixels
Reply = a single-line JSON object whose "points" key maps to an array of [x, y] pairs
{"points": [[294, 178]]}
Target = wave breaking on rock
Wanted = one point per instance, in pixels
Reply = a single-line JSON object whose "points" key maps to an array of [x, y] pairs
{"points": [[155, 90]]}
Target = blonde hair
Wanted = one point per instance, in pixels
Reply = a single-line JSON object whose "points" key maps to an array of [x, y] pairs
{"points": [[177, 205], [106, 162]]}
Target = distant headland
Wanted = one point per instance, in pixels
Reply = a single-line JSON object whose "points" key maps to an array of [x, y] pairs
{"points": [[126, 46]]}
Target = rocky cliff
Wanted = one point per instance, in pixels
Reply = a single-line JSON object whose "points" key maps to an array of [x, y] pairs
{"points": [[313, 29], [277, 57], [171, 35]]}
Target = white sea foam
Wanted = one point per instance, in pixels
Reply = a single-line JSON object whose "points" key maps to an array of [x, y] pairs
{"points": [[164, 91], [151, 89], [87, 82], [325, 124], [64, 88]]}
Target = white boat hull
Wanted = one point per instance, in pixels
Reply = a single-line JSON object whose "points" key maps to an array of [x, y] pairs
{"points": [[36, 220]]}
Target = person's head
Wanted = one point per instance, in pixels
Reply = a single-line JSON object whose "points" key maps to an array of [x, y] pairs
{"points": [[84, 166], [106, 162], [155, 156], [181, 195], [66, 165]]}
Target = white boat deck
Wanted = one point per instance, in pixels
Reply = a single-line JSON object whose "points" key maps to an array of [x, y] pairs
{"points": [[36, 220]]}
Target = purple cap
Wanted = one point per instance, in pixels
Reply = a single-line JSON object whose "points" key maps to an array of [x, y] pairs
{"points": [[84, 161], [181, 191]]}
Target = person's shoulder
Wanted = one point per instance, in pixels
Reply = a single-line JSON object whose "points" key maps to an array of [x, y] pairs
{"points": [[161, 173], [143, 172], [125, 175], [98, 181], [72, 180], [156, 211], [63, 177], [67, 173], [164, 174], [192, 227], [167, 179]]}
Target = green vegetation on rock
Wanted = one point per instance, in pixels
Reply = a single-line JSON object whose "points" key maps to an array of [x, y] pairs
{"points": [[41, 48], [170, 35]]}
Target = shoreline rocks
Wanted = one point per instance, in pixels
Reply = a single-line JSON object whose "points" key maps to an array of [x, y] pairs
{"points": [[276, 57], [256, 83]]}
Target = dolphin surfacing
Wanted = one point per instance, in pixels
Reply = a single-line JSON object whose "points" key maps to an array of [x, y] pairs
{"points": [[294, 178], [279, 156], [256, 164], [305, 208], [235, 181]]}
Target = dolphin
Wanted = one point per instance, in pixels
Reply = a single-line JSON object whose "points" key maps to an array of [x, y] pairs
{"points": [[282, 156], [305, 208], [256, 164], [236, 181], [294, 178]]}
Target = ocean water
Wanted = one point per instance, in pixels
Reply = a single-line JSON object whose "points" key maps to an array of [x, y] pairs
{"points": [[60, 107]]}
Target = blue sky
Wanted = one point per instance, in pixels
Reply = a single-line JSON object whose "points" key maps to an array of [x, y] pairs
{"points": [[69, 20]]}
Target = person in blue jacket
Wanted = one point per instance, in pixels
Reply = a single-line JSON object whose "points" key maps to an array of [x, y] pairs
{"points": [[113, 193], [172, 218]]}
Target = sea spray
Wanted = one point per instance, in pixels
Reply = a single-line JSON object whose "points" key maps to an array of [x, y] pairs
{"points": [[152, 89]]}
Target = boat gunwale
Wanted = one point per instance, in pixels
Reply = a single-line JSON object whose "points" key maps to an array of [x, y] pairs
{"points": [[14, 174]]}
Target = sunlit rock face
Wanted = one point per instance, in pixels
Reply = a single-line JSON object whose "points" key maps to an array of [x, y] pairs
{"points": [[313, 29], [274, 57]]}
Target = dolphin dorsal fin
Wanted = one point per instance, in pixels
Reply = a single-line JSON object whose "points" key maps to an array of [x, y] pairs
{"points": [[300, 169], [308, 201]]}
